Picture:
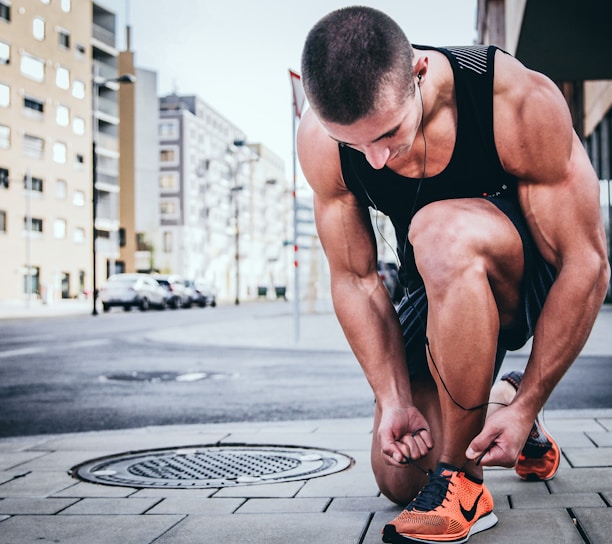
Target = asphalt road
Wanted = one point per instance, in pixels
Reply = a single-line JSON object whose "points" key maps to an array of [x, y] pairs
{"points": [[84, 373]]}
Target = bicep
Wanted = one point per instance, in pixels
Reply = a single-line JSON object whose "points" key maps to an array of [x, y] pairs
{"points": [[564, 214]]}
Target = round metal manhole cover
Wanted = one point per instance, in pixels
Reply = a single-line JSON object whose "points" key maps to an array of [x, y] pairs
{"points": [[163, 376], [212, 466]]}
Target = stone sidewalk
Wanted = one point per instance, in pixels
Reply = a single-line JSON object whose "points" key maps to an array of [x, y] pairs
{"points": [[40, 501]]}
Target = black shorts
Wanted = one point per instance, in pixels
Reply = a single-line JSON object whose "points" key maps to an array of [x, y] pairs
{"points": [[538, 277]]}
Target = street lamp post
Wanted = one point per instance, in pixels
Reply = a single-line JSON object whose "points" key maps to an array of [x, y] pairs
{"points": [[96, 84]]}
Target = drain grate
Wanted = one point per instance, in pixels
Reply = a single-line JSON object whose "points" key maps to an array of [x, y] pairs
{"points": [[212, 466], [163, 376]]}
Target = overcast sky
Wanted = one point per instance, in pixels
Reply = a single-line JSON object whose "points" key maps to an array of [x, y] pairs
{"points": [[236, 54]]}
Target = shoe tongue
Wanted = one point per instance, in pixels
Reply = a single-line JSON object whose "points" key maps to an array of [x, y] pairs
{"points": [[445, 470]]}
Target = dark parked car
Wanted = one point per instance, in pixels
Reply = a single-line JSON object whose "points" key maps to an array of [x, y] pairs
{"points": [[390, 277], [132, 290], [202, 295], [177, 295]]}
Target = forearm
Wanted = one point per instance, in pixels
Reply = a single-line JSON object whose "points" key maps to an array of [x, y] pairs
{"points": [[561, 332], [372, 329]]}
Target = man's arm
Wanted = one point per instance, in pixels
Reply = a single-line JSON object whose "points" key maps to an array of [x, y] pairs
{"points": [[559, 194], [361, 303]]}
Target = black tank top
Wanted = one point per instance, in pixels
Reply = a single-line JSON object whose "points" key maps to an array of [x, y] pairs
{"points": [[474, 169]]}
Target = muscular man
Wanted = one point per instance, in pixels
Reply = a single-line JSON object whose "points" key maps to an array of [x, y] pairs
{"points": [[496, 211]]}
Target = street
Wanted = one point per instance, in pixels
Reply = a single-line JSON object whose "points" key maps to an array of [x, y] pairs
{"points": [[125, 370]]}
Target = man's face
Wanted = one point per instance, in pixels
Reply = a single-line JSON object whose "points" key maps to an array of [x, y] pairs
{"points": [[383, 136]]}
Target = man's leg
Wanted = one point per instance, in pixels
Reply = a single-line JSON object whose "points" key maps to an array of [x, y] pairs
{"points": [[470, 256]]}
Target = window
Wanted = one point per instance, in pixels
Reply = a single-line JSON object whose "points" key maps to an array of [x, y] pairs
{"points": [[65, 5], [5, 53], [78, 125], [168, 130], [168, 181], [167, 242], [33, 106], [167, 207], [36, 224], [60, 189], [2, 221], [4, 178], [167, 155], [78, 236], [32, 67], [78, 89], [5, 11], [5, 137], [62, 77], [62, 116], [78, 199], [33, 146], [59, 152], [63, 38], [36, 184], [38, 28], [59, 228], [5, 95]]}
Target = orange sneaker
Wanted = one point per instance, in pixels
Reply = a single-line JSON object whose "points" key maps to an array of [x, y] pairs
{"points": [[539, 460], [450, 508]]}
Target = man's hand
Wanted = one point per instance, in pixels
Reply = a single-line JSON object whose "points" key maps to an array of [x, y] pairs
{"points": [[502, 438], [404, 435]]}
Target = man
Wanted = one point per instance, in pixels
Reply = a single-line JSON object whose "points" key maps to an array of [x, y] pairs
{"points": [[499, 236]]}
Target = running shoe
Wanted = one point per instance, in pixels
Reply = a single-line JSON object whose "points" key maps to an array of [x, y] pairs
{"points": [[539, 460], [450, 508]]}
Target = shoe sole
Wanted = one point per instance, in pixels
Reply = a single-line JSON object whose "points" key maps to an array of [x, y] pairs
{"points": [[391, 536]]}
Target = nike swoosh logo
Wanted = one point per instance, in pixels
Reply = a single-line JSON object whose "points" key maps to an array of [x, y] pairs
{"points": [[469, 514]]}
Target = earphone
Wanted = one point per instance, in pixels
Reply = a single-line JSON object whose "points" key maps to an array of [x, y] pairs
{"points": [[419, 77]]}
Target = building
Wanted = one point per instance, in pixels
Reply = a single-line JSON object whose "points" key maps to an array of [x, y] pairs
{"points": [[45, 149], [217, 198], [572, 44]]}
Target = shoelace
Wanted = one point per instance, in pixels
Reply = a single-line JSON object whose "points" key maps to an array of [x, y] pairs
{"points": [[432, 495]]}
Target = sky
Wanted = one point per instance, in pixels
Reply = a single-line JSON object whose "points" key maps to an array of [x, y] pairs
{"points": [[236, 54]]}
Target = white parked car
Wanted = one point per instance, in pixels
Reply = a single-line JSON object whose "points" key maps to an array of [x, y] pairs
{"points": [[132, 290]]}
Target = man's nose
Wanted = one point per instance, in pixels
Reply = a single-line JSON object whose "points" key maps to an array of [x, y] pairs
{"points": [[377, 155]]}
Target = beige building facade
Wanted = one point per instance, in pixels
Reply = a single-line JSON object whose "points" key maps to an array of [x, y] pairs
{"points": [[45, 149]]}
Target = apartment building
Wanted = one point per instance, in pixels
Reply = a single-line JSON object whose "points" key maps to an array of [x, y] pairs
{"points": [[224, 204], [45, 148]]}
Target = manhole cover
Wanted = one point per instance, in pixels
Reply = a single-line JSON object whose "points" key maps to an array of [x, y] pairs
{"points": [[163, 376], [212, 466]]}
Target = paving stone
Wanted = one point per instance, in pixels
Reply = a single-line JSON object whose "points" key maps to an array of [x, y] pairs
{"points": [[580, 480], [345, 528], [601, 439], [358, 481], [363, 504], [124, 507], [605, 422], [85, 489], [281, 489], [211, 507], [596, 523], [192, 494], [589, 457], [14, 460], [86, 529], [58, 460], [37, 484], [576, 439], [15, 506], [276, 506], [555, 500]]}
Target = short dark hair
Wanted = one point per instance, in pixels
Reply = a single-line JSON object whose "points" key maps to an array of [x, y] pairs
{"points": [[349, 56]]}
